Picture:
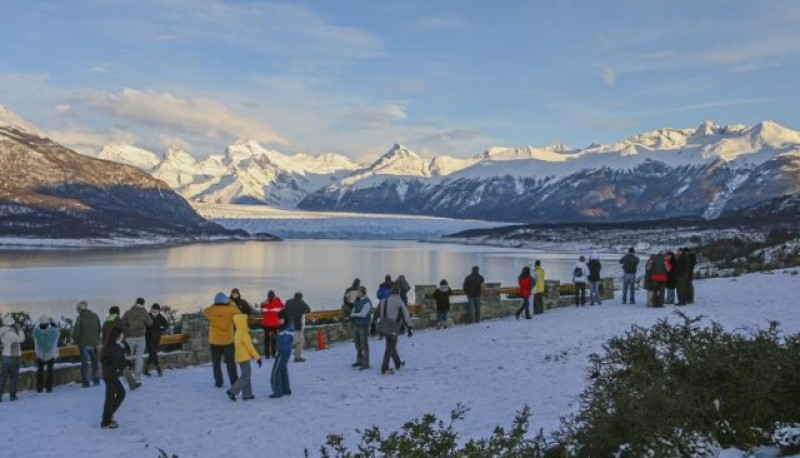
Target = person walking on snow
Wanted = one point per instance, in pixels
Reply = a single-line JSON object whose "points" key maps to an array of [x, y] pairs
{"points": [[279, 377], [113, 358], [393, 312], [580, 274], [630, 263], [135, 323], [153, 336], [113, 321], [45, 341], [525, 281], [86, 336], [594, 279], [220, 337], [473, 284], [442, 298], [271, 323], [360, 316], [11, 336], [296, 309], [245, 352], [538, 279]]}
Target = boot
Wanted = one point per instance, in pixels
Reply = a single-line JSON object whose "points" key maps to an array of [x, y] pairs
{"points": [[146, 369], [160, 372]]}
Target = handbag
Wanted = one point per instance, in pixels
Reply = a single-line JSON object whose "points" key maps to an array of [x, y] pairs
{"points": [[387, 326]]}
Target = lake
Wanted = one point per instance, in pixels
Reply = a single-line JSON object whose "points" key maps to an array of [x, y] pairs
{"points": [[187, 277]]}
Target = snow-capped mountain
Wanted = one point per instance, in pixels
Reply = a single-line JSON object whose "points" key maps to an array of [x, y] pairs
{"points": [[663, 173]]}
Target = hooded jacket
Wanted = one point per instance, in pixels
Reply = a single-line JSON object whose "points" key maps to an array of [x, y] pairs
{"points": [[525, 286], [594, 268], [442, 298], [473, 283], [220, 329], [45, 341], [86, 332], [269, 312], [629, 263], [243, 343], [580, 272], [11, 341], [136, 321]]}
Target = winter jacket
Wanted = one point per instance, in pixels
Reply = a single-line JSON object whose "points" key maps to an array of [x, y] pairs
{"points": [[285, 339], [658, 272], [525, 286], [683, 266], [45, 341], [539, 274], [442, 298], [630, 262], [112, 321], [243, 305], [594, 269], [404, 288], [395, 309], [580, 272], [11, 341], [243, 343], [113, 359], [362, 313], [220, 329], [473, 283], [384, 290], [295, 309], [672, 272], [86, 332], [155, 330], [269, 312], [135, 322]]}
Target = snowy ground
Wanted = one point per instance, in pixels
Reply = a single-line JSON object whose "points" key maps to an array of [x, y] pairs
{"points": [[493, 368], [299, 224]]}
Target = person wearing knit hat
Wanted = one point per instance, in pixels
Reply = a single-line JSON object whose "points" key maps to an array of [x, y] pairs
{"points": [[221, 337], [86, 336], [11, 336], [45, 342]]}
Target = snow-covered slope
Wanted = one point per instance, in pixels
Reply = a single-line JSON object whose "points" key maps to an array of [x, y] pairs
{"points": [[11, 120], [493, 369], [130, 155]]}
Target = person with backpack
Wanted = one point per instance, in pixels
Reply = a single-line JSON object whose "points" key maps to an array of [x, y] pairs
{"points": [[630, 263], [525, 281], [45, 342], [580, 274], [279, 377], [361, 316], [383, 292], [296, 309], [153, 336], [442, 297], [220, 337], [245, 352], [241, 304], [393, 312], [113, 357], [594, 279], [135, 323], [11, 336], [86, 336], [473, 285], [538, 296], [270, 322]]}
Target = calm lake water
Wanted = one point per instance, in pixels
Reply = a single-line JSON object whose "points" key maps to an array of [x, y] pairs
{"points": [[187, 277]]}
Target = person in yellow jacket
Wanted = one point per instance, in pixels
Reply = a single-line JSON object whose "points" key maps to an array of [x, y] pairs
{"points": [[538, 290], [245, 351], [220, 336]]}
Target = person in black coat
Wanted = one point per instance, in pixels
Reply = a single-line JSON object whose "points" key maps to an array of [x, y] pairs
{"points": [[113, 359], [473, 284], [243, 305], [442, 298], [153, 335]]}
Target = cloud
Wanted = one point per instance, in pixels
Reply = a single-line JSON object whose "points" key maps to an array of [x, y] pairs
{"points": [[90, 141], [171, 141], [373, 116], [610, 77], [450, 136], [440, 23], [195, 116]]}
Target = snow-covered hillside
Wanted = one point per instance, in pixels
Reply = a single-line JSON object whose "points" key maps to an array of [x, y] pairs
{"points": [[493, 368], [298, 224]]}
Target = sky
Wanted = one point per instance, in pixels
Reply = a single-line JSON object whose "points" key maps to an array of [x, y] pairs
{"points": [[354, 77]]}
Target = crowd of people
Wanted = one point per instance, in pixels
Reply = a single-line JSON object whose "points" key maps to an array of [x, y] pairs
{"points": [[125, 338]]}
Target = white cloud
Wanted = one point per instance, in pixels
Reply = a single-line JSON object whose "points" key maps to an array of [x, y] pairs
{"points": [[195, 116], [89, 141], [171, 141], [372, 116], [610, 76]]}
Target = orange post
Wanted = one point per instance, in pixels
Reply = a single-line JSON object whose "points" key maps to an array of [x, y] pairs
{"points": [[320, 339]]}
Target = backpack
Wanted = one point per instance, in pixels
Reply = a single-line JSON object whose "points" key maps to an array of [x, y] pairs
{"points": [[387, 326], [578, 272]]}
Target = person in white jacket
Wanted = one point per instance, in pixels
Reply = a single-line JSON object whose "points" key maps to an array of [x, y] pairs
{"points": [[580, 273], [11, 336], [45, 342]]}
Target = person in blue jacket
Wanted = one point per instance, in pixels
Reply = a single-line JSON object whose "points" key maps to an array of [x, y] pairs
{"points": [[279, 379], [45, 341]]}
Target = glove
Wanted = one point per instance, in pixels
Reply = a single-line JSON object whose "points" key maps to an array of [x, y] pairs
{"points": [[258, 361], [410, 332]]}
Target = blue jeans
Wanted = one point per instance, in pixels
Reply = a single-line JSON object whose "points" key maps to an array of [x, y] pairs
{"points": [[628, 283], [243, 382], [441, 317], [670, 296], [89, 355], [9, 370], [280, 375], [474, 309], [594, 292]]}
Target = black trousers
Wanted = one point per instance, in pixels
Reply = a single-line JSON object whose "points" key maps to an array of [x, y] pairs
{"points": [[580, 293], [115, 394], [538, 303], [390, 353], [44, 375], [270, 349], [152, 352], [218, 353]]}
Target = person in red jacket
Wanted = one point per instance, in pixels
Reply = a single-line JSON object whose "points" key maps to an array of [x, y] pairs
{"points": [[271, 323], [525, 286]]}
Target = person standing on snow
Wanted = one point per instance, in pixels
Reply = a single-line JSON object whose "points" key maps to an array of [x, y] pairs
{"points": [[630, 263], [594, 279], [350, 297], [45, 341], [296, 309], [473, 284], [86, 336], [220, 337], [525, 281], [245, 352], [153, 336], [393, 312], [658, 277], [113, 358], [672, 277], [241, 304], [360, 316], [442, 298], [135, 323], [113, 321], [11, 336], [279, 377], [538, 296], [580, 274], [270, 322]]}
